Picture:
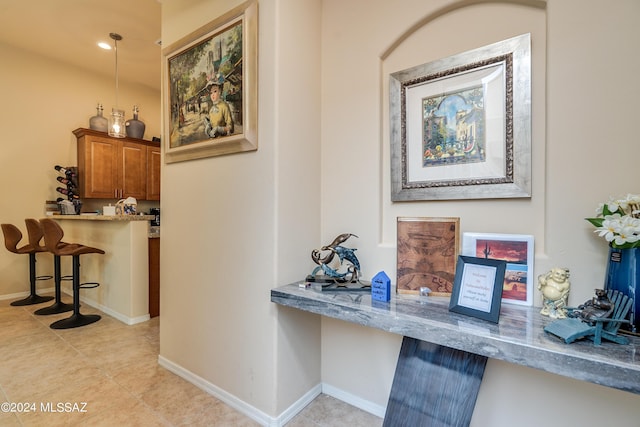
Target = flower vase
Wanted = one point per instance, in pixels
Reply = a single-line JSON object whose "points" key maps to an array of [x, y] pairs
{"points": [[623, 275]]}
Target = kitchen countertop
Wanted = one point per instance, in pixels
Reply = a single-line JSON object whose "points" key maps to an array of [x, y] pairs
{"points": [[94, 217], [519, 338], [154, 231]]}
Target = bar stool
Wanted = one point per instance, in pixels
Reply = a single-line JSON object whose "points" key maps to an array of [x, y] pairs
{"points": [[12, 236], [53, 234], [58, 306]]}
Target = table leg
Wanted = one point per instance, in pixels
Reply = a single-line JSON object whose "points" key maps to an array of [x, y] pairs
{"points": [[433, 385]]}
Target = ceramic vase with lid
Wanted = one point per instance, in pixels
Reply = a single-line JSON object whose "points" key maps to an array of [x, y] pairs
{"points": [[98, 122], [135, 128]]}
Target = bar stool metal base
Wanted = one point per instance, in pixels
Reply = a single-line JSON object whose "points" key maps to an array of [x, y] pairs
{"points": [[56, 308], [31, 299], [75, 321]]}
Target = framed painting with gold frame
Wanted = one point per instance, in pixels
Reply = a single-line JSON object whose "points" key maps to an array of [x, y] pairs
{"points": [[224, 54], [426, 254]]}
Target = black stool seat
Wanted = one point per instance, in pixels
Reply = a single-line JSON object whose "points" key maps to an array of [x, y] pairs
{"points": [[53, 235], [12, 236]]}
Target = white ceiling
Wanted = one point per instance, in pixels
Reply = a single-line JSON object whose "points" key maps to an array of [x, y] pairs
{"points": [[69, 30]]}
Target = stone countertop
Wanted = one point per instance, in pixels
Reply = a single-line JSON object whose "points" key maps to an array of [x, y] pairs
{"points": [[518, 338], [94, 217]]}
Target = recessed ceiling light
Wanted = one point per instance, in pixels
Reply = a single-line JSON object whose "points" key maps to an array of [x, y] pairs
{"points": [[104, 45]]}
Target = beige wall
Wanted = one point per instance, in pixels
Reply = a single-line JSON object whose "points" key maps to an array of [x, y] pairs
{"points": [[42, 102], [583, 92], [371, 49], [235, 226]]}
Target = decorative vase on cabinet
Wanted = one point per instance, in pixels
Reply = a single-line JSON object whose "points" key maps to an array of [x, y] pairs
{"points": [[135, 128], [623, 274], [98, 122]]}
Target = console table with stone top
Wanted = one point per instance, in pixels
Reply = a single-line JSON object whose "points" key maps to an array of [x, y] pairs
{"points": [[443, 354]]}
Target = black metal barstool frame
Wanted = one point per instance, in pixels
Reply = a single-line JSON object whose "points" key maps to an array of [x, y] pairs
{"points": [[33, 297], [31, 249], [53, 235], [77, 319], [58, 306]]}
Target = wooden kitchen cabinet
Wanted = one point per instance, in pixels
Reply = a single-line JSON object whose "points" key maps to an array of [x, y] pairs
{"points": [[115, 168], [153, 173], [154, 276]]}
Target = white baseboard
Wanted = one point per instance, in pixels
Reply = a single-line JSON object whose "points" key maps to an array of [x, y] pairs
{"points": [[259, 416], [231, 400], [298, 406], [19, 295], [354, 400], [121, 317]]}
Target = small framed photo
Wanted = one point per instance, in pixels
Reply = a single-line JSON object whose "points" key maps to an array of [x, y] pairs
{"points": [[517, 251], [427, 252], [477, 289]]}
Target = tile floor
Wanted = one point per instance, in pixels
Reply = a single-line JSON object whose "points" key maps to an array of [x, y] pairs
{"points": [[113, 368]]}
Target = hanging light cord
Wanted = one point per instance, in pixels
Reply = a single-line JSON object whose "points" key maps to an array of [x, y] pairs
{"points": [[116, 44], [115, 38]]}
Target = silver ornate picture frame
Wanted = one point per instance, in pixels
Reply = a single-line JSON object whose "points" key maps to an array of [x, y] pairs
{"points": [[461, 126]]}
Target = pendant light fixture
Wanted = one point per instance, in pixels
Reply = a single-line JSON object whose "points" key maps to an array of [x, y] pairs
{"points": [[116, 120]]}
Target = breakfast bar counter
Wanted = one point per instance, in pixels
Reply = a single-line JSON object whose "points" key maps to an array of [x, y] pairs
{"points": [[96, 217], [123, 271]]}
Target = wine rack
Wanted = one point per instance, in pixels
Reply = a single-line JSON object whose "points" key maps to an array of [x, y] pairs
{"points": [[67, 185]]}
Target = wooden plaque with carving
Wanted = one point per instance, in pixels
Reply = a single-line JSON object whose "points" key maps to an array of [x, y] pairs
{"points": [[427, 252]]}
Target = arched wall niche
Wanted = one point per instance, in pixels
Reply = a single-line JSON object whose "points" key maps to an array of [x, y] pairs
{"points": [[451, 29]]}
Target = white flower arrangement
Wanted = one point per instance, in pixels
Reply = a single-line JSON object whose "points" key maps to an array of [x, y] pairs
{"points": [[618, 221]]}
